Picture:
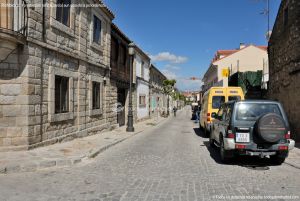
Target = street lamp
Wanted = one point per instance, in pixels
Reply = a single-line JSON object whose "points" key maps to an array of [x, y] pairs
{"points": [[130, 127]]}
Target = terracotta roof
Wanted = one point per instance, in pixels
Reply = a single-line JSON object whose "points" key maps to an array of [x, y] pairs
{"points": [[226, 52]]}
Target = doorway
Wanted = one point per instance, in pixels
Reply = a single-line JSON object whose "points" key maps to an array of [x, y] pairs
{"points": [[121, 106]]}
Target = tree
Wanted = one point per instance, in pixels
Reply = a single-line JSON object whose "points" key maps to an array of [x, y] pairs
{"points": [[168, 87]]}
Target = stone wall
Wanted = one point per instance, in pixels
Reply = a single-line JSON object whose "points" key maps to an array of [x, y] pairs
{"points": [[27, 117], [284, 58]]}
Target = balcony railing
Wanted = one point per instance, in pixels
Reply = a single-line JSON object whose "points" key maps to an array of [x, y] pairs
{"points": [[14, 18]]}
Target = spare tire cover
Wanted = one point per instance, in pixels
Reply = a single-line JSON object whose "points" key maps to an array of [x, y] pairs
{"points": [[271, 127]]}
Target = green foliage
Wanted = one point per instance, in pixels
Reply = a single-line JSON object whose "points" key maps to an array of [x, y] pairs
{"points": [[169, 86], [169, 89]]}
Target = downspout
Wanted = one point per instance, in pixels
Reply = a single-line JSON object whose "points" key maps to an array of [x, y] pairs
{"points": [[43, 23]]}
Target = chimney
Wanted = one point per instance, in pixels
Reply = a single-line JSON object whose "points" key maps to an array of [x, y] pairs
{"points": [[242, 45]]}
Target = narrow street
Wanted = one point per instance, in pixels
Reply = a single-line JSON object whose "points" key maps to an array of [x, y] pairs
{"points": [[171, 161]]}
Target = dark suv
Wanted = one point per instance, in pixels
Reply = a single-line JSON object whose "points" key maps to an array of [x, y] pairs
{"points": [[251, 127]]}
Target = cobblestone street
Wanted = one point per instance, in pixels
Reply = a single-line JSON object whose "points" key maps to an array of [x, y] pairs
{"points": [[171, 161]]}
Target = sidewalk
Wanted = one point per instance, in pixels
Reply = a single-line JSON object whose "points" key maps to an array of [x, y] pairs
{"points": [[68, 153], [294, 157]]}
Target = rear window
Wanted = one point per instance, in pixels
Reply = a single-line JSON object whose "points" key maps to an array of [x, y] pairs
{"points": [[252, 111], [217, 101], [234, 98]]}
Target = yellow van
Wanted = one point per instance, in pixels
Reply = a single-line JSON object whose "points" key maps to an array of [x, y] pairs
{"points": [[212, 99]]}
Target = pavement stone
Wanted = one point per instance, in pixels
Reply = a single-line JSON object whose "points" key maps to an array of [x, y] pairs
{"points": [[68, 153], [294, 157], [170, 161]]}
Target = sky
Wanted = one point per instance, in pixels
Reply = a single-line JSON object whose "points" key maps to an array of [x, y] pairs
{"points": [[181, 37]]}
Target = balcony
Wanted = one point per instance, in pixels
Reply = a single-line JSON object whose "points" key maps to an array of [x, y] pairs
{"points": [[13, 25]]}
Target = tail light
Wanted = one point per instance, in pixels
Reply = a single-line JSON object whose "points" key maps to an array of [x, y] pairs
{"points": [[230, 134], [208, 117], [240, 146], [288, 135], [283, 148]]}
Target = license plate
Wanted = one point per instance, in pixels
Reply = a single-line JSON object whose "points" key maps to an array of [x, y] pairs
{"points": [[242, 137]]}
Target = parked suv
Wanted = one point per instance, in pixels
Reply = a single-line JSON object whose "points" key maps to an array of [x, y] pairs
{"points": [[255, 128]]}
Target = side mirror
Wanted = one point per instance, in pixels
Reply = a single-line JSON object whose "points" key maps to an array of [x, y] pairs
{"points": [[214, 115]]}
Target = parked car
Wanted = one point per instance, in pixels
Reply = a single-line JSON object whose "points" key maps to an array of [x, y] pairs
{"points": [[212, 99], [252, 127]]}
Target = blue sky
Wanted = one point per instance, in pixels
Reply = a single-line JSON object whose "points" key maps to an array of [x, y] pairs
{"points": [[183, 36]]}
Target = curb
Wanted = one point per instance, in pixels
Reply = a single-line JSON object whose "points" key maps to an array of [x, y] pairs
{"points": [[44, 164], [293, 165], [102, 149]]}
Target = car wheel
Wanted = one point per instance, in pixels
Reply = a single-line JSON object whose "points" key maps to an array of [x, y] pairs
{"points": [[277, 159], [205, 131], [226, 155], [211, 140]]}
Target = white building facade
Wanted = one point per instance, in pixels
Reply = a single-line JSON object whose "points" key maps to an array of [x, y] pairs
{"points": [[142, 73], [246, 58]]}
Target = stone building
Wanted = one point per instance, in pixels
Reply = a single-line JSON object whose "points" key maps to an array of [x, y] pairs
{"points": [[54, 73], [158, 100], [142, 74], [284, 57], [120, 75]]}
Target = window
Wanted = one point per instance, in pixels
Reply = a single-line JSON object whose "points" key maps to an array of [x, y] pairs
{"points": [[97, 30], [217, 101], [61, 94], [63, 11], [234, 98], [228, 112], [286, 16], [142, 100], [252, 111], [96, 95]]}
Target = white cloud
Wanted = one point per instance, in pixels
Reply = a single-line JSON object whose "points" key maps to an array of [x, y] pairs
{"points": [[183, 83], [172, 67], [167, 56], [190, 85], [169, 74]]}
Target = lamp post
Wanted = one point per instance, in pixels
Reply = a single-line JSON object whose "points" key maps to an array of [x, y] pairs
{"points": [[130, 127]]}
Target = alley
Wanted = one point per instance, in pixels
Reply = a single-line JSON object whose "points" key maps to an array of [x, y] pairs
{"points": [[171, 161]]}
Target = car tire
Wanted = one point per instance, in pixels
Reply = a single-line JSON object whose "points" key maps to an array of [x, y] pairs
{"points": [[225, 155], [278, 159], [211, 141], [206, 132]]}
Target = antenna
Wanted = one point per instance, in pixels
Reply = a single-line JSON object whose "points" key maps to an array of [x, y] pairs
{"points": [[266, 12]]}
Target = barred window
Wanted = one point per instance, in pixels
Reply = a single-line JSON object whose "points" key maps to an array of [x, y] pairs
{"points": [[96, 95], [61, 94], [97, 30], [142, 100], [63, 11]]}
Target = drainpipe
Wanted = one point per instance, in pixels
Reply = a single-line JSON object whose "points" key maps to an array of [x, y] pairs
{"points": [[43, 23]]}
